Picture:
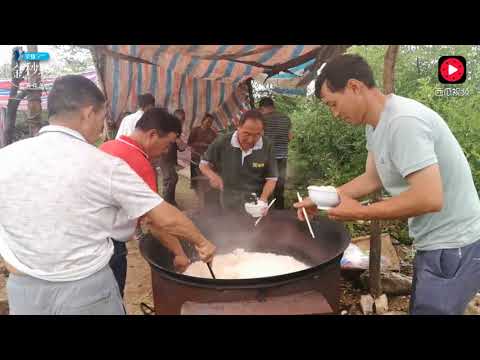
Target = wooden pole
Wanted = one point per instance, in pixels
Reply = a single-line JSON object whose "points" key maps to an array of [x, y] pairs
{"points": [[14, 99], [375, 227], [250, 93], [389, 69], [99, 62], [34, 94], [375, 255]]}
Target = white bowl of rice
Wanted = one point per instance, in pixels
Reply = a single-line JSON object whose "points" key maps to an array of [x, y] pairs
{"points": [[325, 197], [255, 210]]}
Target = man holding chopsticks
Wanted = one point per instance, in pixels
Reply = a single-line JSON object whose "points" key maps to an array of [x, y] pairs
{"points": [[413, 155], [241, 163]]}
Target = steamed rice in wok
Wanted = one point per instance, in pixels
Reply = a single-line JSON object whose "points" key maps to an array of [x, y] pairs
{"points": [[241, 264]]}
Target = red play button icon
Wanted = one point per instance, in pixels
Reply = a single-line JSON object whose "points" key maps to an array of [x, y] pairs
{"points": [[452, 69]]}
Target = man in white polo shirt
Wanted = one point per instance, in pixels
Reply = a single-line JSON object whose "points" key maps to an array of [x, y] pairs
{"points": [[59, 200], [127, 126]]}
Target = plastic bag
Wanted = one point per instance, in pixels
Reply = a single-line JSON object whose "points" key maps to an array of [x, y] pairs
{"points": [[354, 257]]}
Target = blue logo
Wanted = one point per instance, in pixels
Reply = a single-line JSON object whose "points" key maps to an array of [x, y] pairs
{"points": [[35, 56]]}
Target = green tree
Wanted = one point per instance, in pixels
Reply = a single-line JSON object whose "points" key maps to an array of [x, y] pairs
{"points": [[69, 59]]}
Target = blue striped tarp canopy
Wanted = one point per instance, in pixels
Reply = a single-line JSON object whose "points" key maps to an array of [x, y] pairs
{"points": [[197, 78]]}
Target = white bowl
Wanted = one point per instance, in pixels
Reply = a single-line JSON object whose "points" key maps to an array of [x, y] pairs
{"points": [[255, 210], [324, 197]]}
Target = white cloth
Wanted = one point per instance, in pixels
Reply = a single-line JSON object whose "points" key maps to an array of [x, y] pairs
{"points": [[127, 126], [59, 200]]}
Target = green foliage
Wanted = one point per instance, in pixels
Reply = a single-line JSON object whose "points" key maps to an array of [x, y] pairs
{"points": [[324, 149], [22, 128], [99, 142], [68, 59]]}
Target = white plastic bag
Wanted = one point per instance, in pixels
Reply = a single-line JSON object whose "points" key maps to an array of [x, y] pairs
{"points": [[354, 257]]}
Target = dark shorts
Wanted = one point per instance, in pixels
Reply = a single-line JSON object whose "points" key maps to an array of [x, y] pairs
{"points": [[169, 180], [445, 280]]}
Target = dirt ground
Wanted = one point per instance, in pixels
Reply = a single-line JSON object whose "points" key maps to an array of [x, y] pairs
{"points": [[351, 291], [138, 287]]}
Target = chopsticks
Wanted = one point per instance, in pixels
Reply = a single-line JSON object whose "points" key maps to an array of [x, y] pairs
{"points": [[211, 271], [269, 205], [306, 217]]}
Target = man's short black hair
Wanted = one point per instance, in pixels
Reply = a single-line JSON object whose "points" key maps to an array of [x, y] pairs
{"points": [[252, 114], [160, 120], [71, 93], [342, 68], [145, 100], [266, 101]]}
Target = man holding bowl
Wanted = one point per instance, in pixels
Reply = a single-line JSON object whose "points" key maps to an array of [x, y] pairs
{"points": [[241, 163], [413, 155]]}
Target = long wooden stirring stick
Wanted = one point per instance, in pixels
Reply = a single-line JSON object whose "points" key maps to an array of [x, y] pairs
{"points": [[306, 217], [211, 271]]}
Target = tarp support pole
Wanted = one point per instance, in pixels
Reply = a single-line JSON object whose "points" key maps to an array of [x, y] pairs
{"points": [[250, 93]]}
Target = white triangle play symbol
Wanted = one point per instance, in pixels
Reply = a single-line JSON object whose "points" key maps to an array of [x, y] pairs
{"points": [[451, 69]]}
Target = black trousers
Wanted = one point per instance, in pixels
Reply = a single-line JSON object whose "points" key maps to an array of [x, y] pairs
{"points": [[170, 179], [280, 187], [194, 172], [118, 264]]}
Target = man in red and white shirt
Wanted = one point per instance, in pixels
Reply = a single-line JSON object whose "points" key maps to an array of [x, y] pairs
{"points": [[154, 133]]}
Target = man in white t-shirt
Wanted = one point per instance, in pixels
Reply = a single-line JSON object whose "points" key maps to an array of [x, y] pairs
{"points": [[59, 203], [127, 126]]}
